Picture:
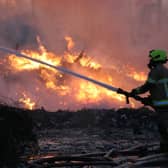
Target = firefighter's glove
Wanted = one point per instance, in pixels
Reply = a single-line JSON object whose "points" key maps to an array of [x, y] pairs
{"points": [[121, 91], [133, 92], [147, 101]]}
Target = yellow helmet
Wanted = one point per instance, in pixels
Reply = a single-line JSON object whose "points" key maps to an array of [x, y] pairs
{"points": [[158, 55]]}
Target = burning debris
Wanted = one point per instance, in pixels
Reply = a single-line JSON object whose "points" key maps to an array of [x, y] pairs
{"points": [[66, 90]]}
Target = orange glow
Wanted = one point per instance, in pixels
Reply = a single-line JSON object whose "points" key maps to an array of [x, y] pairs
{"points": [[138, 76], [70, 43], [86, 62], [63, 86], [27, 102], [20, 64]]}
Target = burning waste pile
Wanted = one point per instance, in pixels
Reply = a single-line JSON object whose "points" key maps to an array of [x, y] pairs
{"points": [[43, 82], [33, 85], [34, 88]]}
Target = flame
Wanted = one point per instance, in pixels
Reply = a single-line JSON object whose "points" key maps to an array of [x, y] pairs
{"points": [[138, 76], [86, 62], [70, 43], [27, 102], [64, 88], [20, 64]]}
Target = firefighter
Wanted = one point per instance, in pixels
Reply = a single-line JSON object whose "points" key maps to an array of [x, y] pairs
{"points": [[157, 85]]}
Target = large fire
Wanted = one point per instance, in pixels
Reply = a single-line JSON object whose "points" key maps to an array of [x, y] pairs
{"points": [[50, 85]]}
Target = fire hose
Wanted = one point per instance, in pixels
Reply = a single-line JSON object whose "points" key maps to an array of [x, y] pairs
{"points": [[144, 101]]}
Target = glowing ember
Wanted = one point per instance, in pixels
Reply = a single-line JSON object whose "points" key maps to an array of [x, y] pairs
{"points": [[61, 90]]}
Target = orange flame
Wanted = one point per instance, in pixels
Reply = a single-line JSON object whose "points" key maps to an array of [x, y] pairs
{"points": [[27, 102], [62, 85], [138, 76], [70, 43]]}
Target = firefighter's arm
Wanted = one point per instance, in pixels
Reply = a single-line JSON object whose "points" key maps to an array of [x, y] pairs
{"points": [[145, 87]]}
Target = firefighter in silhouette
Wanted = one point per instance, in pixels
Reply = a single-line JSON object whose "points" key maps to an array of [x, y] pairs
{"points": [[157, 85]]}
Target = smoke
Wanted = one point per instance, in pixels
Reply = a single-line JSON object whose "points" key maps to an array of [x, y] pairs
{"points": [[17, 29], [16, 33], [95, 25], [118, 30], [115, 32]]}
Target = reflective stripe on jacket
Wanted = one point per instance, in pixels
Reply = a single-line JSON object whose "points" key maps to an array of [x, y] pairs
{"points": [[159, 103]]}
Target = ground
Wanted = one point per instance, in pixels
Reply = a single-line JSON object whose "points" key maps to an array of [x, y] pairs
{"points": [[89, 140], [65, 133]]}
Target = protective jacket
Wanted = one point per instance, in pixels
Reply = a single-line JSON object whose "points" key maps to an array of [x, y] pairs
{"points": [[157, 85]]}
